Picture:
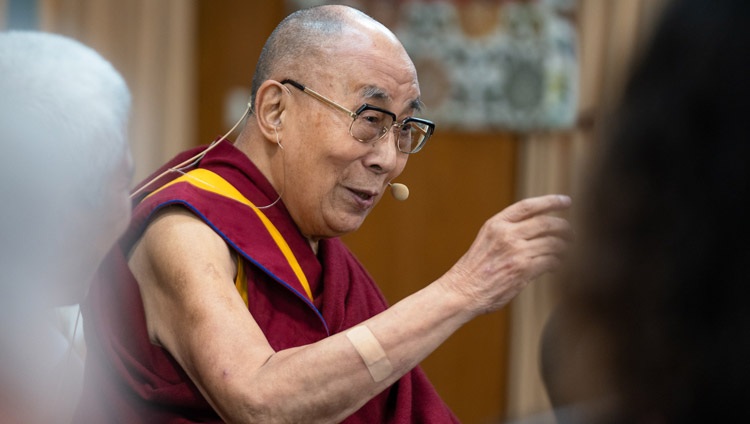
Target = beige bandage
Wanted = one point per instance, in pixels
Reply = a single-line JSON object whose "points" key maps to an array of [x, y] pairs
{"points": [[371, 351]]}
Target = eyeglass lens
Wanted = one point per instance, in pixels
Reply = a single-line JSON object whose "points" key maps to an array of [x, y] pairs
{"points": [[371, 125]]}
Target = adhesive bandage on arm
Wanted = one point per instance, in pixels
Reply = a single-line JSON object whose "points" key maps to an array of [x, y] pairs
{"points": [[371, 351]]}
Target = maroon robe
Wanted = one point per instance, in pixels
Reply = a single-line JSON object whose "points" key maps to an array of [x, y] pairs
{"points": [[130, 380]]}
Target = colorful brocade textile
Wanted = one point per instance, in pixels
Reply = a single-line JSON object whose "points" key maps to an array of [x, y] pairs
{"points": [[296, 297]]}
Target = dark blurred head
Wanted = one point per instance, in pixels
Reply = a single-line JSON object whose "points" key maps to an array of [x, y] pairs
{"points": [[659, 281]]}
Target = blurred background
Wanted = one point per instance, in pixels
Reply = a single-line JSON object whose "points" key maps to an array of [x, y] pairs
{"points": [[517, 88]]}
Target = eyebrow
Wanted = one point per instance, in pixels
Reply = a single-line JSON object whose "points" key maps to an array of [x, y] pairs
{"points": [[374, 92]]}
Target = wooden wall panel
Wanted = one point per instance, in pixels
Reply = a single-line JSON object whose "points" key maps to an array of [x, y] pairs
{"points": [[456, 183], [231, 34]]}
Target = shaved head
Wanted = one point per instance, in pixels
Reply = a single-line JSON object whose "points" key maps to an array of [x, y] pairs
{"points": [[298, 42]]}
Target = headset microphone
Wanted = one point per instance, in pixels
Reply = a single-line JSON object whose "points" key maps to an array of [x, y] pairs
{"points": [[399, 191]]}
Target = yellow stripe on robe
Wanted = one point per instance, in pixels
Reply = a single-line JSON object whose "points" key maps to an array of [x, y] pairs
{"points": [[210, 181], [241, 280]]}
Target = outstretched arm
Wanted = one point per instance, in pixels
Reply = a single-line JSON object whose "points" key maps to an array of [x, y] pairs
{"points": [[185, 272]]}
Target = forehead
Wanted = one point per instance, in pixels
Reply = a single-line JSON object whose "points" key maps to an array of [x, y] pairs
{"points": [[373, 67]]}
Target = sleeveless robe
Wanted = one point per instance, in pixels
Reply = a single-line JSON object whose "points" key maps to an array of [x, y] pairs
{"points": [[128, 379]]}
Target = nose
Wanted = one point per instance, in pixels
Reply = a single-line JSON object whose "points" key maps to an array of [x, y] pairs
{"points": [[384, 157]]}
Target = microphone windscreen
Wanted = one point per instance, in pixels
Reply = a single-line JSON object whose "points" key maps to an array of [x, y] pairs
{"points": [[399, 191]]}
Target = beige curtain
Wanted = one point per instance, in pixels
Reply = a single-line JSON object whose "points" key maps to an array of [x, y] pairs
{"points": [[152, 44], [610, 32]]}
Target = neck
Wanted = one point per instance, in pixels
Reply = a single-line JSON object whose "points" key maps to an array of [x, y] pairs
{"points": [[269, 158], [266, 156]]}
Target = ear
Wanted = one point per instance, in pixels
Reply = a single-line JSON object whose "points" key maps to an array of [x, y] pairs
{"points": [[270, 104]]}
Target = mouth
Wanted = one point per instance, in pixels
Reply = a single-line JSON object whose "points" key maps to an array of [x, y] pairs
{"points": [[364, 198]]}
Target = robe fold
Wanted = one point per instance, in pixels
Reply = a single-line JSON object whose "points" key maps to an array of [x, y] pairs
{"points": [[130, 380]]}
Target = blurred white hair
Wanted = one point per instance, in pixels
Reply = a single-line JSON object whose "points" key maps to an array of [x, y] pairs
{"points": [[63, 111], [63, 137]]}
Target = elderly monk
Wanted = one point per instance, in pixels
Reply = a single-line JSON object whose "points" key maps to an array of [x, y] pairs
{"points": [[231, 297]]}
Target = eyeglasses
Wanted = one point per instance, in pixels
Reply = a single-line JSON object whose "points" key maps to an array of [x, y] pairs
{"points": [[371, 123]]}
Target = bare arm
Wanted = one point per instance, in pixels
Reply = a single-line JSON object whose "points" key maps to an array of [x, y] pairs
{"points": [[185, 273]]}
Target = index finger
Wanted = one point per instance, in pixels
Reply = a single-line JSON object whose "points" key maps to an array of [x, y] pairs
{"points": [[527, 208]]}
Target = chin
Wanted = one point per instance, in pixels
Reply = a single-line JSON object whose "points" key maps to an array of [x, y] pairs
{"points": [[342, 229], [351, 223]]}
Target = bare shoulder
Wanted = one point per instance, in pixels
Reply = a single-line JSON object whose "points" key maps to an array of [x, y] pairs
{"points": [[176, 262], [177, 241]]}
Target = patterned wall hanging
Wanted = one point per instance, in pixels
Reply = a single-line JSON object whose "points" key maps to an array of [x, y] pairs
{"points": [[487, 65]]}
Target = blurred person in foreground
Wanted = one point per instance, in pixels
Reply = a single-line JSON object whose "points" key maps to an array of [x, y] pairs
{"points": [[231, 297], [654, 325], [65, 181]]}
